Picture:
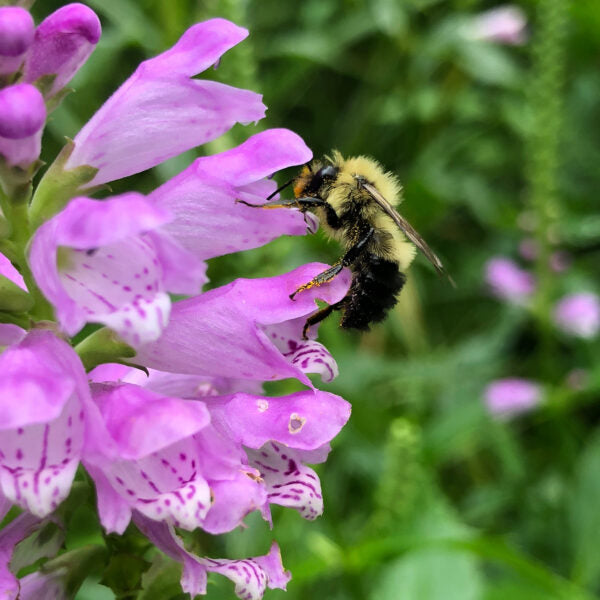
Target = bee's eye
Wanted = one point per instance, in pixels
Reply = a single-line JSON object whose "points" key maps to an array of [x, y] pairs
{"points": [[328, 171]]}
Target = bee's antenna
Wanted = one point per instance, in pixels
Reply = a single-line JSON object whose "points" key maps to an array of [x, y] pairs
{"points": [[281, 187]]}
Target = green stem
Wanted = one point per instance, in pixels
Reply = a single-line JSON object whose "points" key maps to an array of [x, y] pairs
{"points": [[545, 101], [15, 208]]}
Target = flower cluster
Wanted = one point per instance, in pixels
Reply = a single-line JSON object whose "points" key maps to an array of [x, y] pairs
{"points": [[574, 314], [163, 404]]}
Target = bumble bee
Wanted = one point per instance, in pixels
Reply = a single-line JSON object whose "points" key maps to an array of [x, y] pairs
{"points": [[354, 199]]}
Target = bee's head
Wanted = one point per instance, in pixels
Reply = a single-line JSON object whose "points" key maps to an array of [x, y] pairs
{"points": [[313, 178]]}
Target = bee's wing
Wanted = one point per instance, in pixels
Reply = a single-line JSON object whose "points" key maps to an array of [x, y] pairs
{"points": [[408, 230]]}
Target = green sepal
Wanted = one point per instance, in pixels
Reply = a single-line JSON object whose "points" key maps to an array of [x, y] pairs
{"points": [[58, 186], [55, 101], [23, 320], [13, 298], [103, 346], [16, 181], [73, 567], [44, 84]]}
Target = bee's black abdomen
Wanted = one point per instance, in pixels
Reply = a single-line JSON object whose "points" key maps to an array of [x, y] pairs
{"points": [[374, 290]]}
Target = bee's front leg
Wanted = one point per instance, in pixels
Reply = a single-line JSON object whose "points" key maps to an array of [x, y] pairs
{"points": [[303, 204]]}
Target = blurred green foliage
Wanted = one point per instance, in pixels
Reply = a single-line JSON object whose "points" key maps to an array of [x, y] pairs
{"points": [[427, 496]]}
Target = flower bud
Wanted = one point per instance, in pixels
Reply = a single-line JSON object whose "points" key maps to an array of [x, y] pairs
{"points": [[16, 35], [22, 117], [62, 44]]}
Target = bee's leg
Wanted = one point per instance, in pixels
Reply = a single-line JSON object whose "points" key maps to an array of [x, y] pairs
{"points": [[326, 276], [320, 316], [303, 204], [321, 278]]}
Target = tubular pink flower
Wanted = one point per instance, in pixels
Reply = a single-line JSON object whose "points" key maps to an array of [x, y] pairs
{"points": [[110, 268], [249, 329], [16, 35], [160, 111], [507, 281], [22, 118], [579, 314], [207, 221], [195, 471], [507, 397], [251, 576], [62, 44], [41, 435]]}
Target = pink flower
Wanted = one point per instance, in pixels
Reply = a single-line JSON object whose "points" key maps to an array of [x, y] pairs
{"points": [[189, 439], [578, 314], [41, 435], [505, 25], [507, 281], [507, 397], [248, 329], [160, 111], [110, 268]]}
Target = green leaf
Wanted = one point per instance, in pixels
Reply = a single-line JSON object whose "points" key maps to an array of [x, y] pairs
{"points": [[161, 580], [431, 574], [584, 516]]}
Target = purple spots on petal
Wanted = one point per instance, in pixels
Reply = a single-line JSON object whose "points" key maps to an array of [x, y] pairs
{"points": [[26, 484], [19, 454], [182, 456], [167, 502], [119, 481], [126, 288], [130, 492], [20, 431]]}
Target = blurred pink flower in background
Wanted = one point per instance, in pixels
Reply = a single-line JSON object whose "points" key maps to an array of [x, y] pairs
{"points": [[505, 25], [578, 314], [512, 396], [508, 281]]}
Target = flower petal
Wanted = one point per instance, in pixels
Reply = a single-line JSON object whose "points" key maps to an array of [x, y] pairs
{"points": [[289, 483], [152, 460], [110, 273], [42, 434], [305, 420], [233, 500], [221, 332], [142, 422], [160, 112], [207, 220], [251, 576], [7, 269]]}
